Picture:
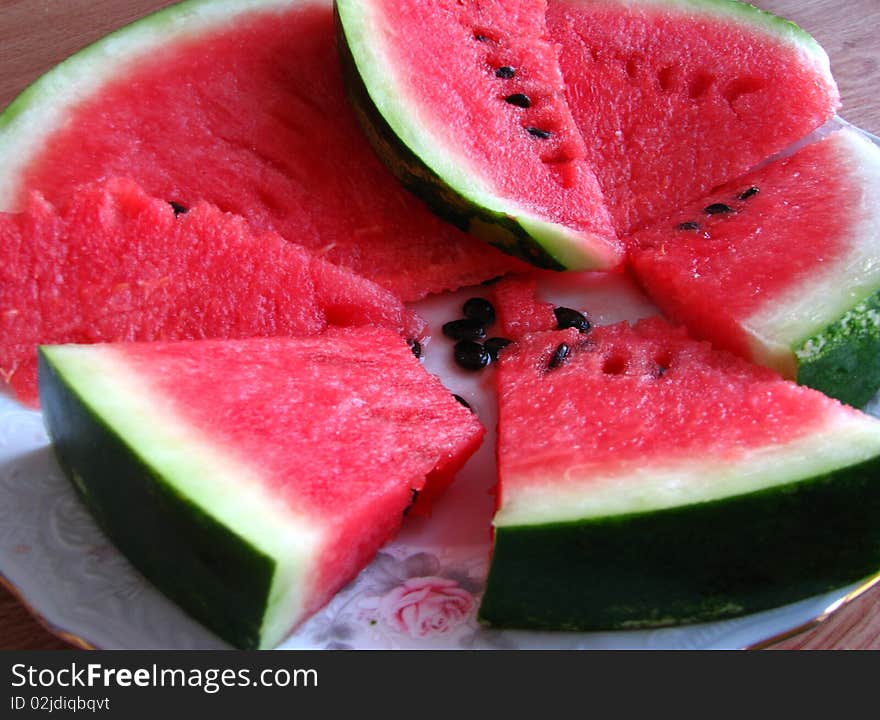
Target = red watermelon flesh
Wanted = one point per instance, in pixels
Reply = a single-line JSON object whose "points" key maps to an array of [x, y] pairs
{"points": [[113, 264], [518, 310], [341, 446], [251, 116], [795, 251], [302, 448], [628, 399], [447, 61], [674, 99]]}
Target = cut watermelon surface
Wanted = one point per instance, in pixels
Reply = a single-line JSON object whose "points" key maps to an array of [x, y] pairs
{"points": [[676, 97], [113, 264], [781, 266], [465, 102], [239, 103], [646, 479], [250, 480]]}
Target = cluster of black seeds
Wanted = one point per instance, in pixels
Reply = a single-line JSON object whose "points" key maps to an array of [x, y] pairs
{"points": [[718, 208], [567, 318], [506, 72], [469, 353]]}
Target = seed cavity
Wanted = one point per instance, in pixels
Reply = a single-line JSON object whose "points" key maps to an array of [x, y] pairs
{"points": [[568, 318], [415, 346], [559, 356], [479, 309], [632, 67], [519, 99], [666, 78], [495, 345], [471, 355], [718, 209], [178, 208], [700, 84], [615, 365], [465, 329], [689, 225], [664, 362], [505, 72], [735, 89], [751, 192], [538, 133]]}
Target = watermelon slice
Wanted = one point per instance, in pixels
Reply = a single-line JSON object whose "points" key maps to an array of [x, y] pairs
{"points": [[786, 272], [239, 103], [465, 102], [113, 264], [676, 97], [251, 479], [646, 479]]}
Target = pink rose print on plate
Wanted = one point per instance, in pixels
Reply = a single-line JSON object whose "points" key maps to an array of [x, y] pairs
{"points": [[426, 606]]}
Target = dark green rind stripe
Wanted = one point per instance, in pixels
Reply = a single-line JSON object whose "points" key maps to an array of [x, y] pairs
{"points": [[843, 360], [497, 229], [212, 573], [689, 564]]}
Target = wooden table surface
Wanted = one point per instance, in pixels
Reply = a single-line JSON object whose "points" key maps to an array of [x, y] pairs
{"points": [[36, 34]]}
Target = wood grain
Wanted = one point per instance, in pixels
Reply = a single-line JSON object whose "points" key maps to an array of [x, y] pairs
{"points": [[36, 34]]}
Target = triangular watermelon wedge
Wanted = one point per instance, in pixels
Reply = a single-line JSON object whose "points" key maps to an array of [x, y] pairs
{"points": [[676, 97], [239, 103], [782, 266], [646, 479], [465, 102], [114, 264], [251, 479]]}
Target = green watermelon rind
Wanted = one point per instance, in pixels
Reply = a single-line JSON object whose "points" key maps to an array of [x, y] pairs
{"points": [[41, 108], [235, 563], [694, 563], [843, 360], [449, 186]]}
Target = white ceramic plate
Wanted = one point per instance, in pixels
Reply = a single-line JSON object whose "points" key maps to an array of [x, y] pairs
{"points": [[67, 572]]}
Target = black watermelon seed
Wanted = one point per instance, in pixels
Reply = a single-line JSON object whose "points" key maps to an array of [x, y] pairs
{"points": [[519, 99], [661, 370], [751, 192], [479, 37], [479, 309], [505, 72], [560, 354], [568, 318], [538, 133], [463, 401], [178, 208], [416, 347], [689, 225], [495, 345], [471, 355], [465, 329], [415, 496], [718, 209]]}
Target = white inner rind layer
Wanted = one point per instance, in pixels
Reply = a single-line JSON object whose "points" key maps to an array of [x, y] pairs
{"points": [[43, 107], [808, 307], [370, 36], [846, 438], [184, 457]]}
